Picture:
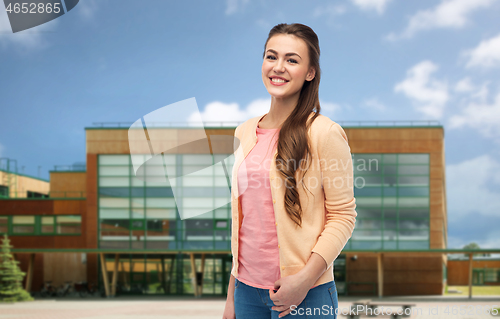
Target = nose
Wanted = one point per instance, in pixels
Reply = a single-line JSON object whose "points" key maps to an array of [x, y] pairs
{"points": [[279, 66]]}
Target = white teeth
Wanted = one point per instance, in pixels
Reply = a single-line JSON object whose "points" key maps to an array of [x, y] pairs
{"points": [[278, 80]]}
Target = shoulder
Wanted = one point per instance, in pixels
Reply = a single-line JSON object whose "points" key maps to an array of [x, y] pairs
{"points": [[246, 126], [324, 128]]}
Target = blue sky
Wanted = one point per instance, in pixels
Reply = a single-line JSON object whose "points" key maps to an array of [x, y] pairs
{"points": [[117, 60]]}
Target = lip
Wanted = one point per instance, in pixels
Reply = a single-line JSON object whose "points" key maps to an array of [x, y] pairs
{"points": [[277, 77]]}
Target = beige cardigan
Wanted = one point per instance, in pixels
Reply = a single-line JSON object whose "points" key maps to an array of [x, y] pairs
{"points": [[328, 214]]}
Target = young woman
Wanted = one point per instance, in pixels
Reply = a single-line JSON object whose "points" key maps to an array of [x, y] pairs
{"points": [[292, 196]]}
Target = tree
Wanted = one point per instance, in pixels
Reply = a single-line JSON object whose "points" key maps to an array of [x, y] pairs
{"points": [[11, 276], [474, 246]]}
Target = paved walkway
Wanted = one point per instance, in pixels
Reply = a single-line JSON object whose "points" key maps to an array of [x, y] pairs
{"points": [[212, 308]]}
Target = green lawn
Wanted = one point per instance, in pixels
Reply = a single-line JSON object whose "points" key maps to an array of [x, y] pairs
{"points": [[476, 291]]}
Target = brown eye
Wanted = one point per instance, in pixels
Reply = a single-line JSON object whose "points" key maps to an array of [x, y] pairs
{"points": [[270, 57]]}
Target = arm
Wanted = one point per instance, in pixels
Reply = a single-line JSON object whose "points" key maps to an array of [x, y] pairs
{"points": [[314, 268], [337, 169], [229, 308]]}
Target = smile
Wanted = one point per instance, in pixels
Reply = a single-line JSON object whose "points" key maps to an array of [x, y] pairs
{"points": [[276, 81]]}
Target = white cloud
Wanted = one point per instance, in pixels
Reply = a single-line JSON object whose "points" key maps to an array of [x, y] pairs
{"points": [[468, 187], [464, 86], [329, 10], [485, 55], [451, 14], [480, 115], [329, 107], [429, 95], [230, 114], [233, 6], [219, 113], [377, 5], [374, 104]]}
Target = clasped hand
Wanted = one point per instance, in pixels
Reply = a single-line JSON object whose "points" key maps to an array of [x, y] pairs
{"points": [[292, 290]]}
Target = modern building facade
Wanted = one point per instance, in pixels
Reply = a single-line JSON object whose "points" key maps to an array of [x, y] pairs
{"points": [[104, 217]]}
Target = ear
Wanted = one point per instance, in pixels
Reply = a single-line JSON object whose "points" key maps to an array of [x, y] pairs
{"points": [[311, 74]]}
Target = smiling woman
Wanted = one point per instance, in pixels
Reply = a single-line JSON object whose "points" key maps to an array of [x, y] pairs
{"points": [[285, 237]]}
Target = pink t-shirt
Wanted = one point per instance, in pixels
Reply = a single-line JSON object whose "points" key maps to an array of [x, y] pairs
{"points": [[258, 240]]}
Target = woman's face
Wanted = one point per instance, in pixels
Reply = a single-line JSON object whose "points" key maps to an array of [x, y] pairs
{"points": [[286, 66]]}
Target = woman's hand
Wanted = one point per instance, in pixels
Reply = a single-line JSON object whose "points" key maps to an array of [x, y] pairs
{"points": [[292, 290], [229, 309]]}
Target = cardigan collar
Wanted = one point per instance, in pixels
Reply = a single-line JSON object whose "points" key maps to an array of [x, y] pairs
{"points": [[253, 126]]}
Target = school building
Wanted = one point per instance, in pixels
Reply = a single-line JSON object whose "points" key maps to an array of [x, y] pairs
{"points": [[99, 222]]}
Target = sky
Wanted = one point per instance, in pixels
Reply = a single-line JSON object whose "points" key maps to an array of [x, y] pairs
{"points": [[381, 60]]}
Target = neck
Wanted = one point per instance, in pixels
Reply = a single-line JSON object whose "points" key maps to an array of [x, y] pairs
{"points": [[281, 108]]}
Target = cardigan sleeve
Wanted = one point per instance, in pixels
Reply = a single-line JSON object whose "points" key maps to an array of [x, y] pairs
{"points": [[338, 186]]}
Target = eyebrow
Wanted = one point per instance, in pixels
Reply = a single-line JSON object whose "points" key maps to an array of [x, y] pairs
{"points": [[288, 54]]}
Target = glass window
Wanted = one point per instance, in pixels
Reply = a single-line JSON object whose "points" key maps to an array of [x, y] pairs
{"points": [[407, 234], [69, 224], [113, 181], [31, 194], [362, 223], [159, 191], [390, 158], [160, 213], [361, 234], [414, 191], [4, 191], [160, 202], [221, 224], [114, 213], [414, 213], [368, 191], [390, 169], [390, 213], [197, 159], [413, 169], [390, 234], [364, 212], [114, 202], [390, 191], [369, 201], [413, 158], [362, 181], [114, 159], [113, 170], [190, 181], [390, 201], [389, 224], [414, 223], [413, 201], [390, 180], [414, 244], [23, 224], [366, 244], [47, 225], [414, 180], [114, 191], [115, 224]]}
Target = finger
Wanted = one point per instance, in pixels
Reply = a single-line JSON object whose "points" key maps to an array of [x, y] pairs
{"points": [[279, 308], [284, 313]]}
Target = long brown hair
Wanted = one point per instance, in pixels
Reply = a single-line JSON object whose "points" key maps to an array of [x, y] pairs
{"points": [[293, 142]]}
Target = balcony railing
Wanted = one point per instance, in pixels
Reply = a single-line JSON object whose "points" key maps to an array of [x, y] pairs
{"points": [[184, 124], [49, 195]]}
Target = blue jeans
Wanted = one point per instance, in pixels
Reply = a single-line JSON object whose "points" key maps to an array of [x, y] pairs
{"points": [[255, 303]]}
